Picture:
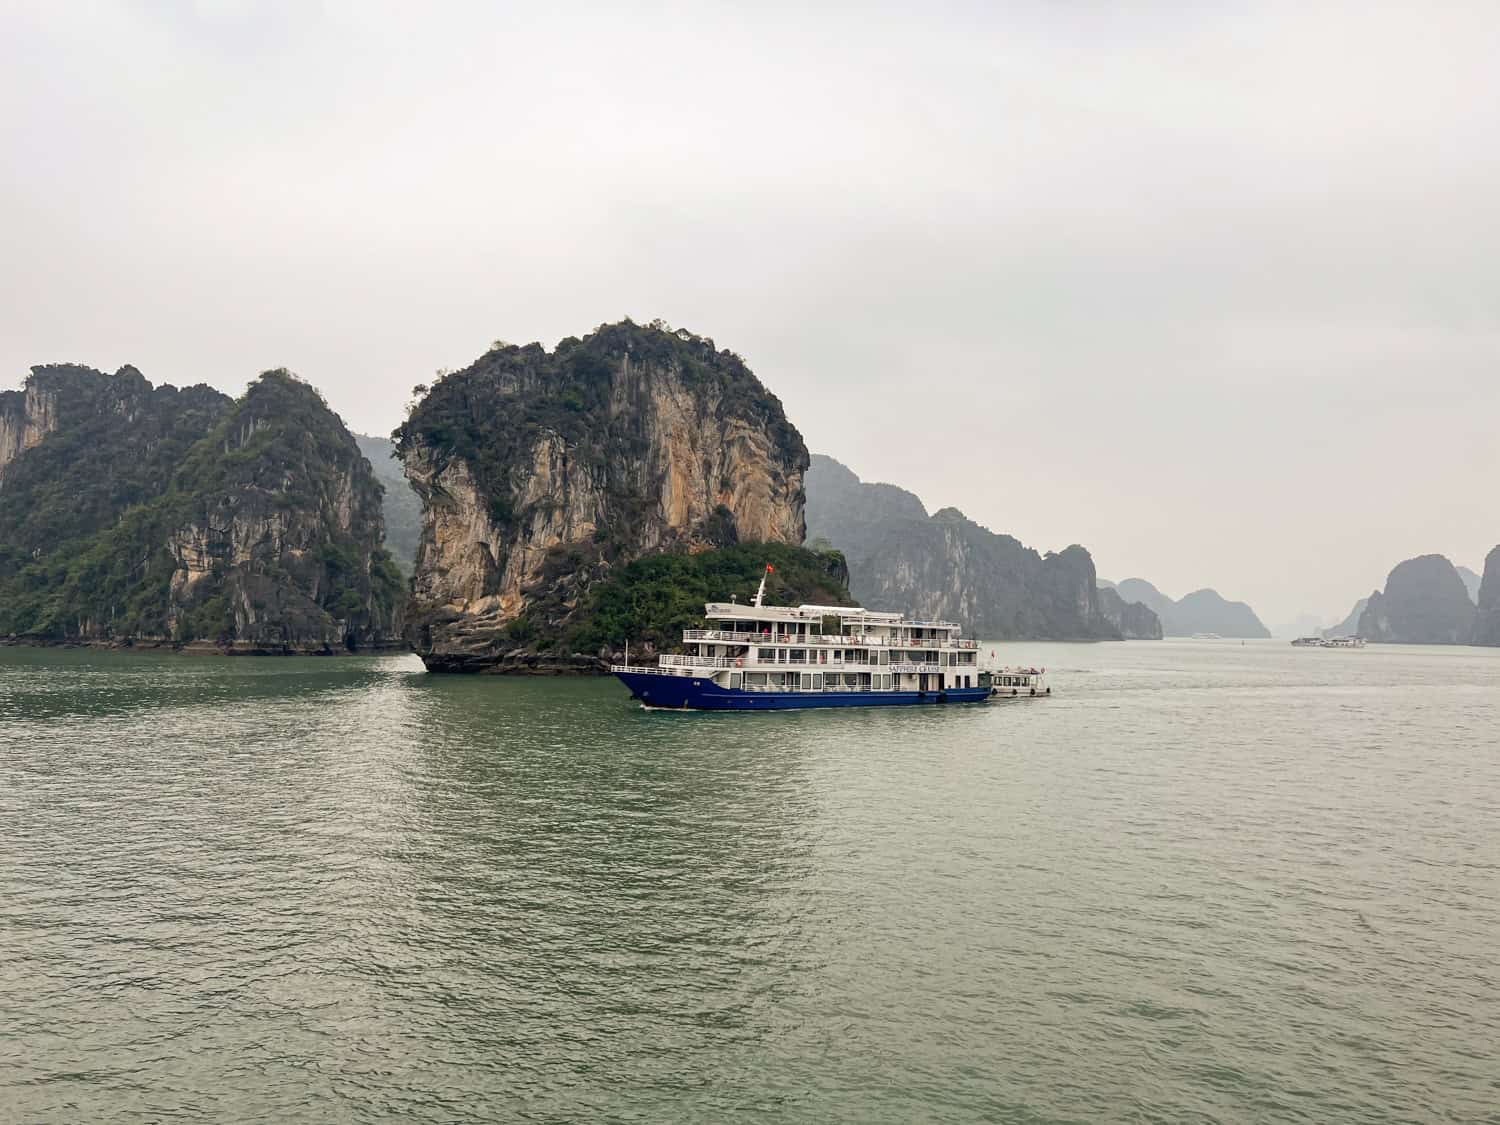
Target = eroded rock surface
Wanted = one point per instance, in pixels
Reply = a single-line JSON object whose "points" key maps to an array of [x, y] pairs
{"points": [[541, 471], [133, 514], [947, 567]]}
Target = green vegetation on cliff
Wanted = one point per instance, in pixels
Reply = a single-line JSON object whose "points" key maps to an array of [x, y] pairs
{"points": [[546, 475], [652, 600], [576, 394], [162, 515]]}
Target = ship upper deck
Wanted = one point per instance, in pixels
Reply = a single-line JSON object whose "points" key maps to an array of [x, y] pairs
{"points": [[814, 614]]}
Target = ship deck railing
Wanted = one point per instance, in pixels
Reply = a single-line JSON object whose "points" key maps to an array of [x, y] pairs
{"points": [[741, 637], [653, 670], [715, 662]]}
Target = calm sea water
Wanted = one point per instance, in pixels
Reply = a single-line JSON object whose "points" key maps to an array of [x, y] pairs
{"points": [[1204, 882]]}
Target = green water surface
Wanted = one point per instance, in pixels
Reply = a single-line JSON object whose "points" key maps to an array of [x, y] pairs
{"points": [[1203, 882]]}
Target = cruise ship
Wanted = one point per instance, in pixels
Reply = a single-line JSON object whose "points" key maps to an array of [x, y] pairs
{"points": [[1329, 642], [759, 657]]}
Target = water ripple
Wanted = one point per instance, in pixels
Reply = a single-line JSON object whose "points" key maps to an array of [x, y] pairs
{"points": [[1203, 883]]}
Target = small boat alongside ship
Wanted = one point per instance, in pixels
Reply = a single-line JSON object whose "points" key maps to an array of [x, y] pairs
{"points": [[1018, 683], [760, 657]]}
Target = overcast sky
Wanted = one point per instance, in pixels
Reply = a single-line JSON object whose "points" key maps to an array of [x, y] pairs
{"points": [[1212, 289]]}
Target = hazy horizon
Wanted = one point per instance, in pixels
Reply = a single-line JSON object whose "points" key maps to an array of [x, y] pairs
{"points": [[1207, 291]]}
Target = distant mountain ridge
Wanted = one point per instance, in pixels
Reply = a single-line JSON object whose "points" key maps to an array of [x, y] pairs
{"points": [[1471, 582], [1202, 611], [1349, 626], [400, 505], [1429, 600], [1424, 601], [946, 566], [1135, 621]]}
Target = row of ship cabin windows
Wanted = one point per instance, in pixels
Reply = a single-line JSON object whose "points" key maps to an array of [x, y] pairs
{"points": [[857, 656], [831, 681], [782, 629]]}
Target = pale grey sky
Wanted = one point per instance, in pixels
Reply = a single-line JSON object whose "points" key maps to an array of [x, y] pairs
{"points": [[1210, 288]]}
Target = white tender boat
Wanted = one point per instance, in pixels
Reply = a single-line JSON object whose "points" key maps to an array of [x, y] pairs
{"points": [[1017, 683]]}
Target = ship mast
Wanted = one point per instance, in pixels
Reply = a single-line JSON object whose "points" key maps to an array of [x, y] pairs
{"points": [[760, 595]]}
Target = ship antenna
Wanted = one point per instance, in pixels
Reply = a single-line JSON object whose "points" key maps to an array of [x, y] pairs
{"points": [[760, 595]]}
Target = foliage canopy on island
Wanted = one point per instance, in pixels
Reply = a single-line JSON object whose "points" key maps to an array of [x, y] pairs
{"points": [[86, 516], [653, 599], [492, 413]]}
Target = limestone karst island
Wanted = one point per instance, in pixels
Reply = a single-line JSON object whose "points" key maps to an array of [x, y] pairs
{"points": [[775, 564], [552, 507]]}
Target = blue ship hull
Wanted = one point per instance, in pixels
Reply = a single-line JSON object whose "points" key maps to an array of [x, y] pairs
{"points": [[683, 693]]}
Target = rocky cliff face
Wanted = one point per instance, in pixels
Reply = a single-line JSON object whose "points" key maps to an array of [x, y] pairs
{"points": [[1487, 617], [947, 567], [1424, 602], [851, 514], [153, 515], [26, 416], [539, 472], [1202, 611], [281, 546], [1136, 622]]}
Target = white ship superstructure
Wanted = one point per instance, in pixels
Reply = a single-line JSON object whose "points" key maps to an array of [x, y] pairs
{"points": [[750, 656], [823, 648]]}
